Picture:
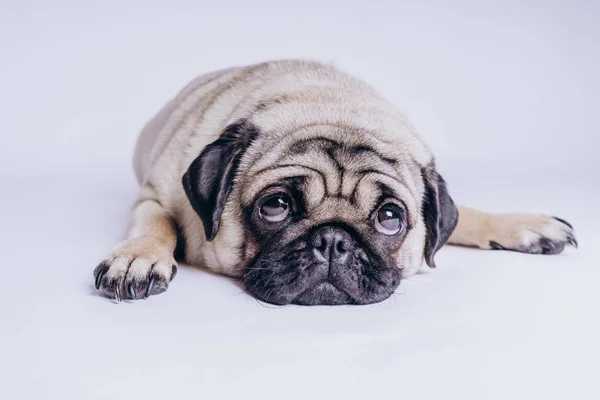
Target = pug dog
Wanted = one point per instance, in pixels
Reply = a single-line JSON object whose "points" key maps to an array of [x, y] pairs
{"points": [[303, 182]]}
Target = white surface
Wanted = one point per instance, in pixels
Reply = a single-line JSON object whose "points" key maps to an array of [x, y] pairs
{"points": [[506, 92]]}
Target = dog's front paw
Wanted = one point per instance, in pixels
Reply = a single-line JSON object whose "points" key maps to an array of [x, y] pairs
{"points": [[529, 233], [136, 269]]}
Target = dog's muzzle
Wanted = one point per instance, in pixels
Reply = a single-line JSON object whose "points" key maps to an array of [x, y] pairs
{"points": [[327, 266]]}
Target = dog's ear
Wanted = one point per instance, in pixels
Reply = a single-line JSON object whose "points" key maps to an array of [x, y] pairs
{"points": [[439, 213], [209, 179]]}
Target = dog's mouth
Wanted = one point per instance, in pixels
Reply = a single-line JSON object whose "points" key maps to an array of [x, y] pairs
{"points": [[324, 293]]}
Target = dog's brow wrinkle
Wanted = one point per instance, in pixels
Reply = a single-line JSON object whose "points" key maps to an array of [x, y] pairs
{"points": [[365, 172], [302, 146], [362, 174], [273, 168], [370, 150]]}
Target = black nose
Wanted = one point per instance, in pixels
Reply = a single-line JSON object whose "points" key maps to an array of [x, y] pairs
{"points": [[331, 242]]}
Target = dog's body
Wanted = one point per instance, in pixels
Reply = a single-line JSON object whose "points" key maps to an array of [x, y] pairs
{"points": [[302, 180]]}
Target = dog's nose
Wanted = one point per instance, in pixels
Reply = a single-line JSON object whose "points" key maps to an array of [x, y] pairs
{"points": [[331, 242]]}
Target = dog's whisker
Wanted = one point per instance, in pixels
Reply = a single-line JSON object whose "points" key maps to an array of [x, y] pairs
{"points": [[266, 305]]}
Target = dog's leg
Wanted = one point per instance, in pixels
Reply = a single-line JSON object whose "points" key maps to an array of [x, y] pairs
{"points": [[527, 233], [143, 264]]}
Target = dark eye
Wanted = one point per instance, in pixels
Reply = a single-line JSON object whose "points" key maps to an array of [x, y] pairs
{"points": [[388, 220], [276, 208]]}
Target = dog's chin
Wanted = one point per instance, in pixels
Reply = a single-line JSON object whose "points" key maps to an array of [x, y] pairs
{"points": [[324, 293]]}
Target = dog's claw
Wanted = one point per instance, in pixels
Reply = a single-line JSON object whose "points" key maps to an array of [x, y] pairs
{"points": [[564, 222], [117, 291], [547, 246], [102, 269], [572, 241], [496, 246], [173, 272], [150, 286], [131, 290]]}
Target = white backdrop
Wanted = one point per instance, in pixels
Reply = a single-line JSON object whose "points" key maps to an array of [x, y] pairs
{"points": [[507, 84], [507, 92]]}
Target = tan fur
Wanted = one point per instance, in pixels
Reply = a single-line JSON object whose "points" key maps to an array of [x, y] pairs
{"points": [[221, 98], [511, 231], [305, 100]]}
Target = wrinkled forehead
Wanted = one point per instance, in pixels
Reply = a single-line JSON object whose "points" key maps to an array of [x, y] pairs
{"points": [[354, 169]]}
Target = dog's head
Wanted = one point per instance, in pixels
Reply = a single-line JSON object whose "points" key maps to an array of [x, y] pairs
{"points": [[323, 215]]}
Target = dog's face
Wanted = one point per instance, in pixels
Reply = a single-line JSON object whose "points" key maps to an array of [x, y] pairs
{"points": [[323, 216]]}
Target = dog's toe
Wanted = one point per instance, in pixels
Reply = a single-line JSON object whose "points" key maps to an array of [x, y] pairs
{"points": [[123, 278], [135, 270], [527, 233]]}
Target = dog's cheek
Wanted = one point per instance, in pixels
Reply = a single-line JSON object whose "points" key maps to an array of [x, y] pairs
{"points": [[409, 257], [251, 249], [225, 253]]}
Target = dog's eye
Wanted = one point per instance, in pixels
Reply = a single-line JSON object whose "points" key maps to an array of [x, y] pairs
{"points": [[388, 220], [276, 208]]}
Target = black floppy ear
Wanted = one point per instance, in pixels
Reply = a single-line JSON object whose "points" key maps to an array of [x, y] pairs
{"points": [[439, 212], [210, 177]]}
